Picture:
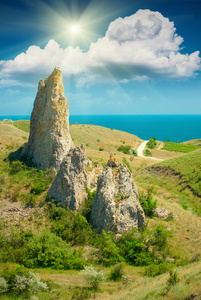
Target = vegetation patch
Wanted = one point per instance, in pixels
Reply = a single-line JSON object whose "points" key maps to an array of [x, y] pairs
{"points": [[147, 203], [151, 143], [147, 152], [127, 164], [22, 125], [177, 147]]}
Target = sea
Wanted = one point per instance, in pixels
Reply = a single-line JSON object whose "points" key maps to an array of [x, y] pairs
{"points": [[163, 127]]}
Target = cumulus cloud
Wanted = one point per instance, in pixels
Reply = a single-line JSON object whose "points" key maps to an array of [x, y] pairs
{"points": [[139, 47]]}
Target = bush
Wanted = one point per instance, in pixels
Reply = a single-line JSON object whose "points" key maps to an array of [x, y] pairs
{"points": [[80, 293], [19, 280], [151, 143], [147, 153], [125, 149], [127, 164], [147, 203], [71, 226], [117, 272], [109, 251], [42, 250], [88, 204], [6, 121], [100, 149], [134, 248], [160, 237], [3, 285], [93, 277], [16, 166], [155, 270], [172, 280], [133, 151]]}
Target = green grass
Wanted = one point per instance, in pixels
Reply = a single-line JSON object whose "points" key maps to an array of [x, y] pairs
{"points": [[23, 125], [179, 147], [180, 176]]}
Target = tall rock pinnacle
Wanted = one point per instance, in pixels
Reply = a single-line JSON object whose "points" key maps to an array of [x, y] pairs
{"points": [[49, 139]]}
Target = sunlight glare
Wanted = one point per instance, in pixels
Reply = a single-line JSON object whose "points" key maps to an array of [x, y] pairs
{"points": [[74, 28]]}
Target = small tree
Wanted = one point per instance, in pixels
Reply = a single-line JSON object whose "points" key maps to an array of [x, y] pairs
{"points": [[93, 277], [172, 280]]}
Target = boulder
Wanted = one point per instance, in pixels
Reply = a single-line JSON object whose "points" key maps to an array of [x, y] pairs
{"points": [[69, 185], [116, 206], [49, 139]]}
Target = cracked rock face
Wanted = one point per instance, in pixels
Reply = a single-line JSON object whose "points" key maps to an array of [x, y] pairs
{"points": [[116, 206], [49, 139], [69, 186]]}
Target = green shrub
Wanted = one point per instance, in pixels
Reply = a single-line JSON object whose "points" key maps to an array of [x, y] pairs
{"points": [[16, 166], [133, 151], [3, 286], [42, 250], [80, 293], [19, 281], [172, 280], [127, 164], [100, 149], [93, 277], [125, 149], [88, 204], [155, 269], [151, 143], [147, 203], [147, 153], [109, 251], [160, 237], [134, 248], [117, 272], [39, 188]]}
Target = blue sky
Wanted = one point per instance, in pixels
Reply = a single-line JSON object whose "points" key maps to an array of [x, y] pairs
{"points": [[117, 57]]}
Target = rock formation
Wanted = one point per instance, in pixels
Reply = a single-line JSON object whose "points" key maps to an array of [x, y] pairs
{"points": [[116, 207], [49, 139], [69, 185]]}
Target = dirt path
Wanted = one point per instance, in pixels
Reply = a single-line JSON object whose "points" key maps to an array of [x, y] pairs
{"points": [[140, 150]]}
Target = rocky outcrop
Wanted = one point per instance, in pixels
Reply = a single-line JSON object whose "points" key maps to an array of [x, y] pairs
{"points": [[69, 185], [49, 139], [116, 206]]}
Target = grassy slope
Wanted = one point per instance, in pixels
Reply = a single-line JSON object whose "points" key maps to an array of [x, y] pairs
{"points": [[185, 228], [23, 125], [193, 142], [10, 135], [181, 176]]}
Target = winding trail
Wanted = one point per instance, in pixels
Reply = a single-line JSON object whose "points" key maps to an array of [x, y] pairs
{"points": [[140, 150]]}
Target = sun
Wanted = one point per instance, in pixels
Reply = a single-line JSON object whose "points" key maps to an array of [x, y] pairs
{"points": [[74, 28]]}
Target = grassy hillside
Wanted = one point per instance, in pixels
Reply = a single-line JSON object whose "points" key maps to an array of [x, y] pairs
{"points": [[193, 142], [22, 125], [185, 148], [37, 234], [181, 176], [10, 136]]}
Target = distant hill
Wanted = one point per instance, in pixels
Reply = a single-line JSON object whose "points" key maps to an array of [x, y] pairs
{"points": [[196, 142]]}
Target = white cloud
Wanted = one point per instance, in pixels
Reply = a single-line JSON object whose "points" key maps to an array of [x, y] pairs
{"points": [[139, 47]]}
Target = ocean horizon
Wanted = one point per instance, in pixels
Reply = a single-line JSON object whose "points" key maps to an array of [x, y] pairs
{"points": [[163, 127]]}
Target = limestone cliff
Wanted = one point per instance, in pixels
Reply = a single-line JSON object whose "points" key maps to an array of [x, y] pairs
{"points": [[49, 139], [116, 206], [69, 186]]}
